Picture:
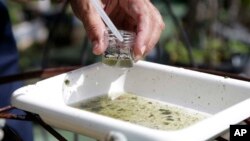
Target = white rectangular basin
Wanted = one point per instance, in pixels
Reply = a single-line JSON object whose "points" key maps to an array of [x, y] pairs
{"points": [[226, 100]]}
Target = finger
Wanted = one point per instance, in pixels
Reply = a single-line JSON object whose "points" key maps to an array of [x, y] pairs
{"points": [[96, 31], [110, 5], [93, 24], [142, 36], [158, 27], [138, 10], [154, 38]]}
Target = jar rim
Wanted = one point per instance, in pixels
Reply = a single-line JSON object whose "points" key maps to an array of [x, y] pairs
{"points": [[128, 36], [124, 33]]}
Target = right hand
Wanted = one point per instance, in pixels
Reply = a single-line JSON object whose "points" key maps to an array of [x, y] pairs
{"points": [[139, 16]]}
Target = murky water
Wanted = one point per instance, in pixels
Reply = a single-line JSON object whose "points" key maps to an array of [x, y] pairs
{"points": [[142, 111]]}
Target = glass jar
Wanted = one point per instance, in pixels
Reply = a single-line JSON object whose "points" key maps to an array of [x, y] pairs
{"points": [[119, 54]]}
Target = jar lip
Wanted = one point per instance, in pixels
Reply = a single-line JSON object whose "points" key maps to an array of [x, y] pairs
{"points": [[124, 33]]}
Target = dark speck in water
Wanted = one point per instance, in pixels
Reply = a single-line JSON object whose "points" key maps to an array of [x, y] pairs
{"points": [[166, 112], [166, 123], [169, 116], [112, 138], [96, 109], [134, 98], [66, 82], [151, 115], [170, 119], [120, 109]]}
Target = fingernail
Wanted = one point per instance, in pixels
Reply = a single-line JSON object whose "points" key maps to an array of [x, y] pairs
{"points": [[140, 55], [96, 47], [143, 48], [137, 58]]}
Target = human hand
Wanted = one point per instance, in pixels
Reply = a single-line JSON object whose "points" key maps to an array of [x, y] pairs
{"points": [[139, 16]]}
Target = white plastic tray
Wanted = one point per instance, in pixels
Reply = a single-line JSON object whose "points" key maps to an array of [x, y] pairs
{"points": [[226, 100]]}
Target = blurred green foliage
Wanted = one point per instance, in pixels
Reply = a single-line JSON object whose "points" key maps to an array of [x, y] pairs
{"points": [[215, 52], [238, 47], [15, 12], [179, 9], [177, 52], [207, 47], [245, 3], [31, 58]]}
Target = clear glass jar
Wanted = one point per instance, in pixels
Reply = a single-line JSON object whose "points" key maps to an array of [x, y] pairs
{"points": [[119, 54]]}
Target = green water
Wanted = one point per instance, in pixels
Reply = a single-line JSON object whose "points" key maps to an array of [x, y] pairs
{"points": [[113, 61], [142, 111]]}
